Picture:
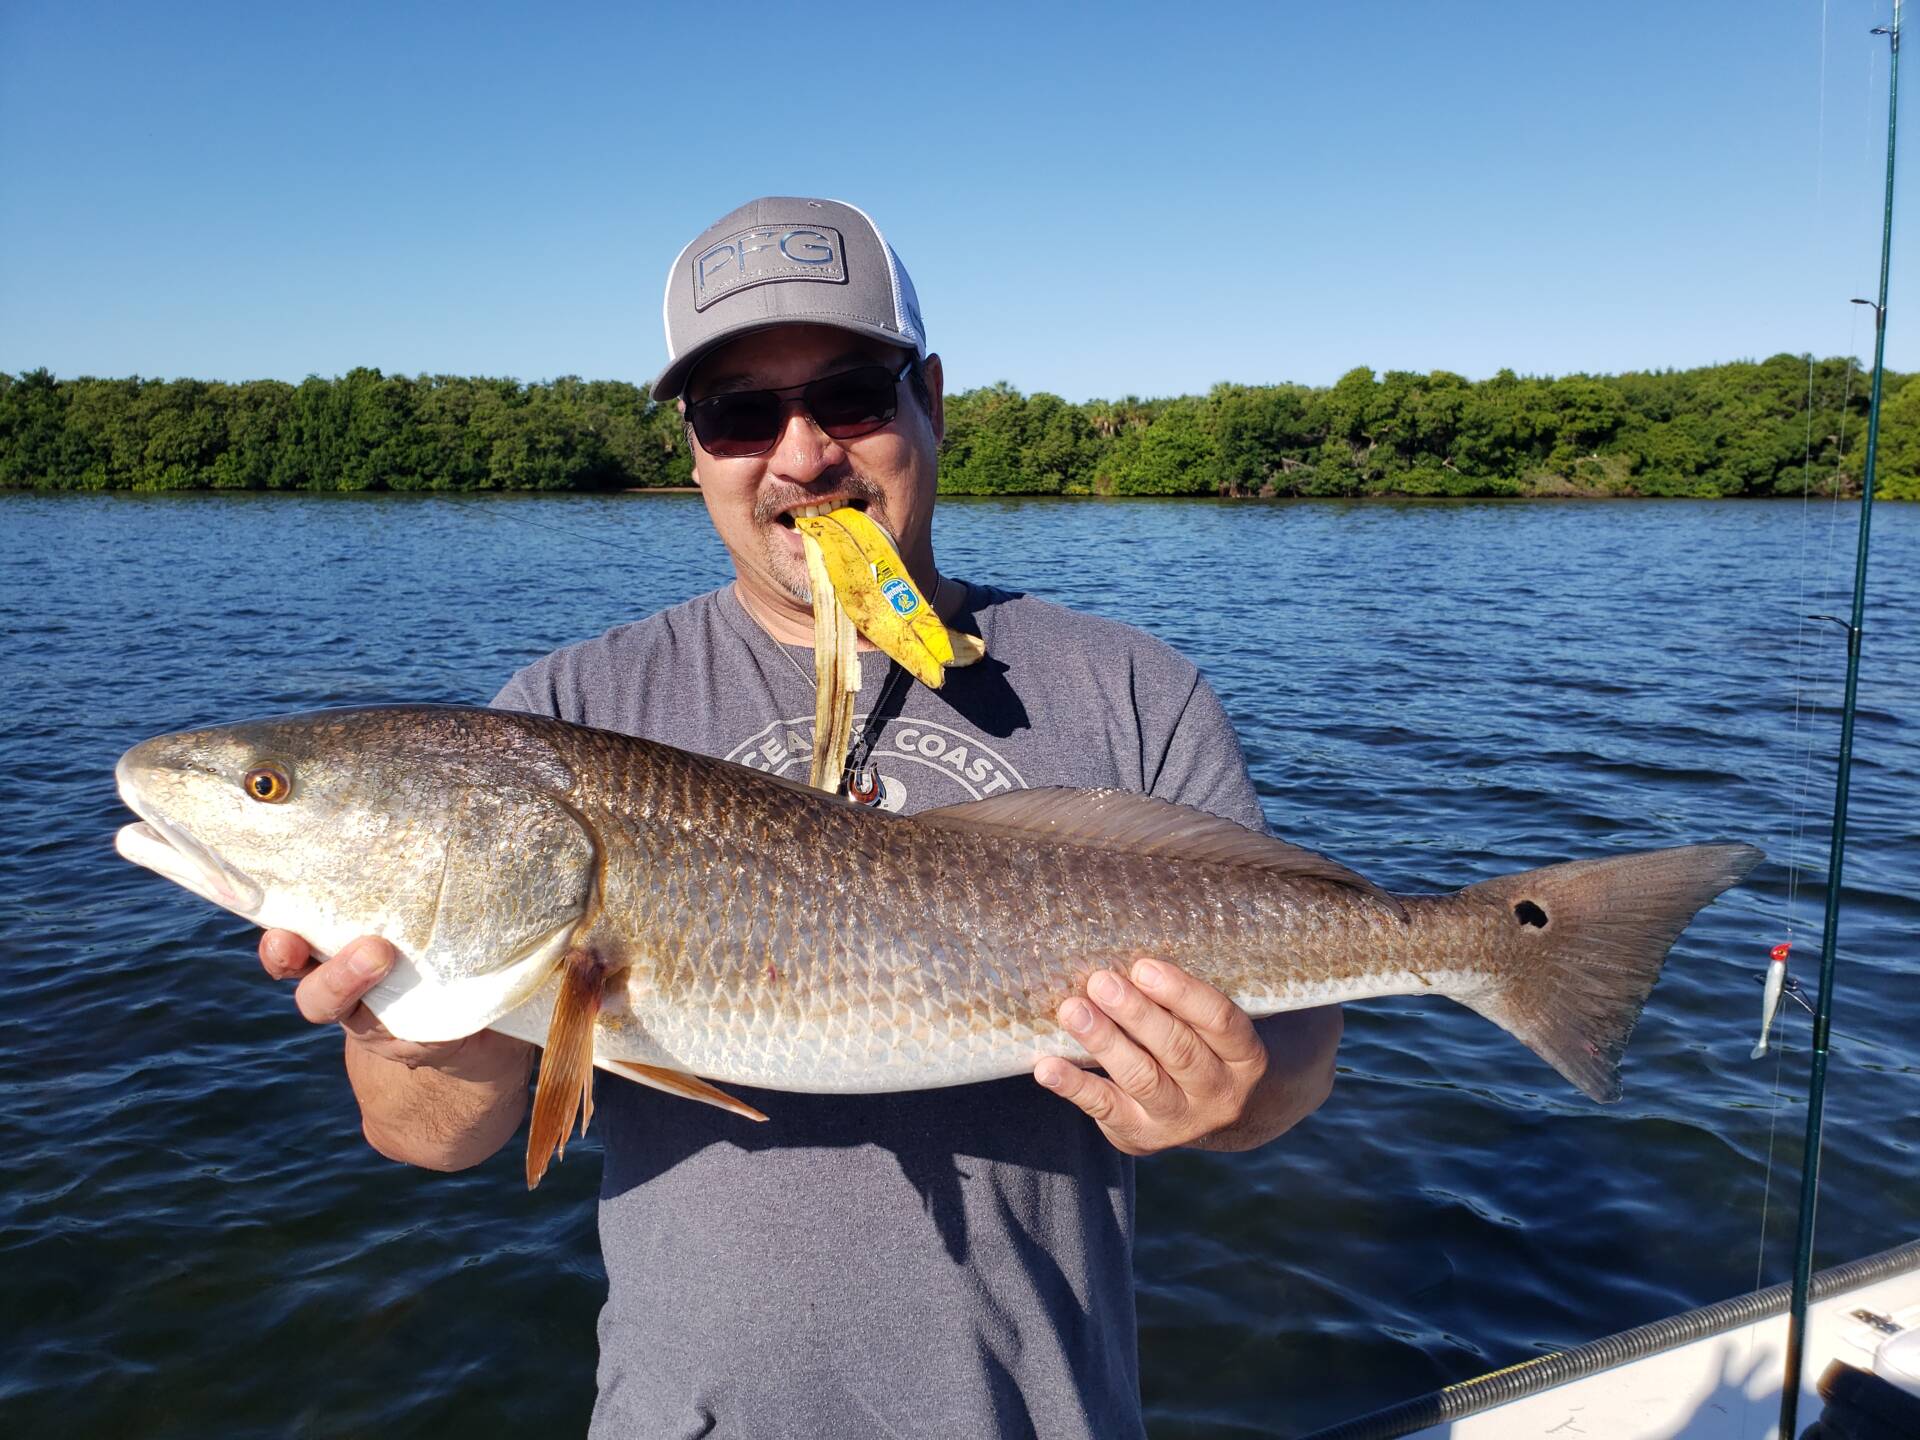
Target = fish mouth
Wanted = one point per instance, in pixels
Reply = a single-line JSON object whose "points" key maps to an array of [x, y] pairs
{"points": [[169, 851]]}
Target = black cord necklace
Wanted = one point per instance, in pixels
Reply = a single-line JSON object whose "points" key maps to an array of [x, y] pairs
{"points": [[860, 780]]}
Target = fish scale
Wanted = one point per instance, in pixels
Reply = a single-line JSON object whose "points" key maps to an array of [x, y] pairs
{"points": [[860, 983], [638, 906]]}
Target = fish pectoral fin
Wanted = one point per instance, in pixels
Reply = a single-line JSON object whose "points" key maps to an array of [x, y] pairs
{"points": [[565, 1085], [678, 1082]]}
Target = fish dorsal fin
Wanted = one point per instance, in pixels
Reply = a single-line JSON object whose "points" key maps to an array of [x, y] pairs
{"points": [[1120, 820]]}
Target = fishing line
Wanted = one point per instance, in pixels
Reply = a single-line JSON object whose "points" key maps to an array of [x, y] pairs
{"points": [[1766, 1194], [1806, 712], [1768, 1022], [1820, 131]]}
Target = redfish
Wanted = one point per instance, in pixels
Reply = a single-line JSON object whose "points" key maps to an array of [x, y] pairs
{"points": [[690, 923]]}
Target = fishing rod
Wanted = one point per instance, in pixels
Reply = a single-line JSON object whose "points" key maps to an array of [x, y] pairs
{"points": [[1823, 1006]]}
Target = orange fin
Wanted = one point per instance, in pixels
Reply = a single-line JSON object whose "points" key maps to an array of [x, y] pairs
{"points": [[566, 1065], [678, 1082]]}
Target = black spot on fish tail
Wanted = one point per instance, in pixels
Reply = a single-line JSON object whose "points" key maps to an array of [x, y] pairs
{"points": [[1528, 913]]}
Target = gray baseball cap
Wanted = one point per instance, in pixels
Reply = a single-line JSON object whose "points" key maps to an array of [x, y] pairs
{"points": [[785, 261]]}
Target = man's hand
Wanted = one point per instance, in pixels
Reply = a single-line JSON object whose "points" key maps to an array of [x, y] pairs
{"points": [[1186, 1066], [331, 990], [445, 1105]]}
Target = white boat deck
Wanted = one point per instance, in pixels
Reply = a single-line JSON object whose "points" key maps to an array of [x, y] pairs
{"points": [[1726, 1387]]}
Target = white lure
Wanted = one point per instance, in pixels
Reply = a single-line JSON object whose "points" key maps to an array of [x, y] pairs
{"points": [[1770, 1001]]}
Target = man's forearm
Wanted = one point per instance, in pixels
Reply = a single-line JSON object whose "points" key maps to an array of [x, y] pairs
{"points": [[1301, 1045], [441, 1117]]}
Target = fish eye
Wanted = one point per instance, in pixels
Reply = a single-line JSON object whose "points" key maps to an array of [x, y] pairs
{"points": [[268, 783]]}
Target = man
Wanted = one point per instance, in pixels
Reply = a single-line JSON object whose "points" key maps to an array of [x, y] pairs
{"points": [[958, 1261]]}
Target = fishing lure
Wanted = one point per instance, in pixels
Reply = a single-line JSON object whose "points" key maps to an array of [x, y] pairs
{"points": [[1770, 1001]]}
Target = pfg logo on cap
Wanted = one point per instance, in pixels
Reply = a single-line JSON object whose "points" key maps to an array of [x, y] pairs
{"points": [[901, 596], [764, 254]]}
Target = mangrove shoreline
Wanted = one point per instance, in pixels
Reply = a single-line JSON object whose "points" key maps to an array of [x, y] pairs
{"points": [[1786, 426]]}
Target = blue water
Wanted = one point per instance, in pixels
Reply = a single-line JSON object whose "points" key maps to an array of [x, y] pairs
{"points": [[195, 1241]]}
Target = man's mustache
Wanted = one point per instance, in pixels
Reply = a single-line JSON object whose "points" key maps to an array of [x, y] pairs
{"points": [[769, 506]]}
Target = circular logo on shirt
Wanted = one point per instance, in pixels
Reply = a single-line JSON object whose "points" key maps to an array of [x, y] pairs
{"points": [[934, 763]]}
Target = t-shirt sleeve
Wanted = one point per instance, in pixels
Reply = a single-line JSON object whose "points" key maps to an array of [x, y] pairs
{"points": [[594, 682], [1203, 765], [531, 690]]}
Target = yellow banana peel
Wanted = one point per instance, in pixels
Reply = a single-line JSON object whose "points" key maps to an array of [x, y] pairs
{"points": [[871, 582], [836, 671]]}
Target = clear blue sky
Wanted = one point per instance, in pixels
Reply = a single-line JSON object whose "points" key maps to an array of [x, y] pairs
{"points": [[1093, 200]]}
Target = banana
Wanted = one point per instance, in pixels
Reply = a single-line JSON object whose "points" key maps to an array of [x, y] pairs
{"points": [[836, 670], [872, 582], [881, 607], [877, 545]]}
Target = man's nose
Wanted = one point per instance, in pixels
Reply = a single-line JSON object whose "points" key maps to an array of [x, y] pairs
{"points": [[804, 451]]}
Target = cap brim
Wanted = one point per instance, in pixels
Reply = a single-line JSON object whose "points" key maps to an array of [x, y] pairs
{"points": [[672, 380]]}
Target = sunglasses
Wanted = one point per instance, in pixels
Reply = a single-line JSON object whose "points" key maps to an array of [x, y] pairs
{"points": [[846, 406]]}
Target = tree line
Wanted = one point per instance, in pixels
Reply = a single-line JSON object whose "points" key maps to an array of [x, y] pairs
{"points": [[1781, 426]]}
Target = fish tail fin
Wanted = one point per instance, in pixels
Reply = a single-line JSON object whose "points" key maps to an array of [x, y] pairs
{"points": [[1599, 931], [565, 1085]]}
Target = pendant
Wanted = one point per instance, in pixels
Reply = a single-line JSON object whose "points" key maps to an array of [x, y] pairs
{"points": [[863, 785]]}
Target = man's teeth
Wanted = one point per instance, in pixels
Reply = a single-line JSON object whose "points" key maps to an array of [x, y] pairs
{"points": [[825, 507]]}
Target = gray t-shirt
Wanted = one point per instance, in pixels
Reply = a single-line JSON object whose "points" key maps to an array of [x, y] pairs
{"points": [[945, 1262]]}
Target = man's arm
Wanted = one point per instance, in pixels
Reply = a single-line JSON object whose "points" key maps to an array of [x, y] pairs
{"points": [[445, 1106]]}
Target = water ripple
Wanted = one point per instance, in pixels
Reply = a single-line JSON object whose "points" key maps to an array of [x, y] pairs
{"points": [[1434, 693]]}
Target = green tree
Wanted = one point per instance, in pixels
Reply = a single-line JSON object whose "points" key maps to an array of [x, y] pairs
{"points": [[1175, 454], [1263, 436], [1062, 449], [185, 429], [104, 440], [33, 423], [1506, 428], [1897, 464], [986, 442], [256, 414]]}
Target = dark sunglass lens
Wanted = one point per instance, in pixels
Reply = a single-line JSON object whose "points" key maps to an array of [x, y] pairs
{"points": [[743, 424], [853, 403]]}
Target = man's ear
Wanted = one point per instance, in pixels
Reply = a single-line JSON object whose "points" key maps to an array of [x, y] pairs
{"points": [[936, 396], [686, 434]]}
